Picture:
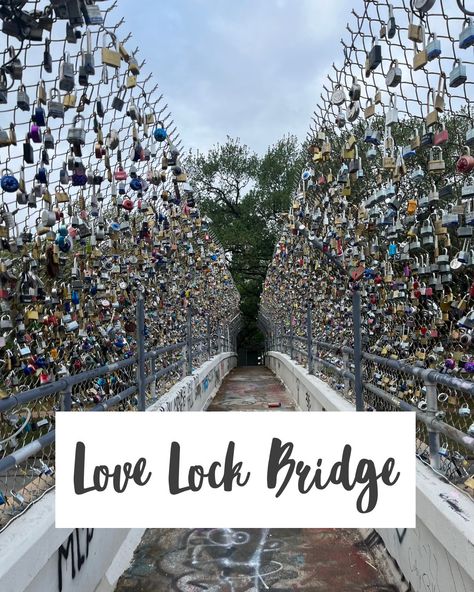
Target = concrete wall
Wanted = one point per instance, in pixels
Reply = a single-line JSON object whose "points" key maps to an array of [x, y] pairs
{"points": [[437, 555], [36, 557]]}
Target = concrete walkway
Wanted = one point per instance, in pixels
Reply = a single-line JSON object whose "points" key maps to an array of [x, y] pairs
{"points": [[222, 560]]}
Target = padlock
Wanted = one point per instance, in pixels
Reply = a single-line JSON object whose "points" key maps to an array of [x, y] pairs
{"points": [[423, 6], [119, 99], [111, 57], [439, 98], [369, 110], [22, 100], [338, 96], [415, 32], [465, 163], [436, 165], [39, 116], [458, 74], [91, 12], [47, 57], [352, 112], [69, 101], [432, 114], [133, 67], [394, 74], [28, 153], [83, 79], [354, 91], [466, 38], [3, 88], [391, 116], [76, 133], [4, 138], [426, 138], [13, 65], [433, 47], [441, 136], [391, 25], [88, 56], [55, 105], [374, 58], [66, 74], [420, 59], [8, 183]]}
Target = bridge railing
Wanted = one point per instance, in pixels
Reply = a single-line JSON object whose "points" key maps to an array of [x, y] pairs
{"points": [[131, 384], [442, 402]]}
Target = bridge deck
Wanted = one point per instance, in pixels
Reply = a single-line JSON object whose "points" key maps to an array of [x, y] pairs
{"points": [[306, 560]]}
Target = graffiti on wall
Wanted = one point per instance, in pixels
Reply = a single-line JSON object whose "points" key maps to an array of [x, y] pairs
{"points": [[73, 554]]}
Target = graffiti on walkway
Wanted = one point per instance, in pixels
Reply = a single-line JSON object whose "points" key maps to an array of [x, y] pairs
{"points": [[257, 560], [224, 560]]}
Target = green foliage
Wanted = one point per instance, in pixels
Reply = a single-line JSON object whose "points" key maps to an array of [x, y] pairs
{"points": [[243, 193]]}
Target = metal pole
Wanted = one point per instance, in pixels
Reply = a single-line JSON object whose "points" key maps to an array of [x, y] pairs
{"points": [[291, 337], [208, 338], [141, 353], [189, 342], [67, 399], [153, 383], [309, 339], [357, 349], [433, 434]]}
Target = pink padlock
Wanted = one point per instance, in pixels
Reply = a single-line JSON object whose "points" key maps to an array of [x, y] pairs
{"points": [[72, 232], [465, 163], [35, 133]]}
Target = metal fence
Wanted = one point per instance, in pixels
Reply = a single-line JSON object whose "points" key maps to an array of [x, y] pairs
{"points": [[28, 417], [442, 402]]}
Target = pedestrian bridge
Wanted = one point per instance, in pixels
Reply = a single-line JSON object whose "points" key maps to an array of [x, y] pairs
{"points": [[437, 555]]}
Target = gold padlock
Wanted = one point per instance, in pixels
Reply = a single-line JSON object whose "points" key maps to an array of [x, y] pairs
{"points": [[69, 100], [131, 81]]}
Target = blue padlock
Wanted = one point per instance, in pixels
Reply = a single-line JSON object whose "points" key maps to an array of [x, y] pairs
{"points": [[466, 38], [39, 117], [458, 74], [136, 184], [392, 249], [433, 47], [408, 152], [160, 134], [75, 297], [8, 182], [42, 175]]}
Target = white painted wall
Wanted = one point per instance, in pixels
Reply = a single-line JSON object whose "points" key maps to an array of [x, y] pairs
{"points": [[29, 548], [437, 555]]}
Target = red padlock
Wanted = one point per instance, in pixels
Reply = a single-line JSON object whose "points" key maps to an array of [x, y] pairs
{"points": [[471, 290], [127, 204], [465, 163], [120, 174]]}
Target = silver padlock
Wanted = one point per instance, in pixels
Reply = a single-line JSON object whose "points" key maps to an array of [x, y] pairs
{"points": [[66, 75], [76, 134], [55, 105]]}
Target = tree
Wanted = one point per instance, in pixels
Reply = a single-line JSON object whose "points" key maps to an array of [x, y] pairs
{"points": [[243, 193]]}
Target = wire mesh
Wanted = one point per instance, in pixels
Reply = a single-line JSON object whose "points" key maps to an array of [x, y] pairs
{"points": [[96, 212], [385, 203]]}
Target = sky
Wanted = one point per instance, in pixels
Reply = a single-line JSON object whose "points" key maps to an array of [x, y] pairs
{"points": [[251, 69]]}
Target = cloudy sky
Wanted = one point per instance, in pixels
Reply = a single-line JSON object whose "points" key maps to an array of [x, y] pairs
{"points": [[247, 68]]}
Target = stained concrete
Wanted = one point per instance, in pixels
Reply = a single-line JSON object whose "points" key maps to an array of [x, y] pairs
{"points": [[252, 560]]}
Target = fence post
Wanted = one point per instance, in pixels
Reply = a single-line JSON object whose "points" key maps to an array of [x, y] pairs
{"points": [[208, 338], [357, 349], [433, 434], [291, 337], [346, 360], [67, 398], [153, 382], [141, 353], [189, 342], [309, 339]]}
